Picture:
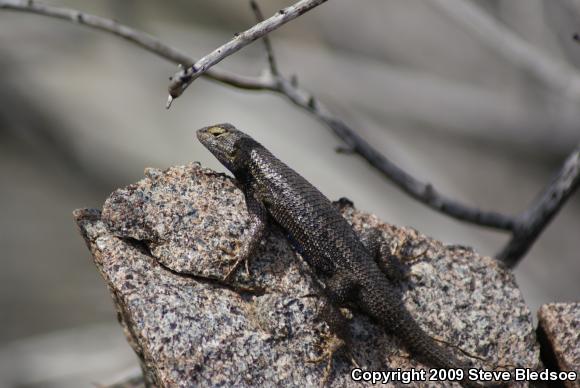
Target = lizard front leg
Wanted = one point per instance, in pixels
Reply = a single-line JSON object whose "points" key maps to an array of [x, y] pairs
{"points": [[257, 230]]}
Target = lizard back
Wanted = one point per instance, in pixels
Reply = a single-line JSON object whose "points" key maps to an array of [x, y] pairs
{"points": [[315, 225]]}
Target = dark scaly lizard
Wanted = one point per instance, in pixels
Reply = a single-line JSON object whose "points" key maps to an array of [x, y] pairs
{"points": [[324, 238]]}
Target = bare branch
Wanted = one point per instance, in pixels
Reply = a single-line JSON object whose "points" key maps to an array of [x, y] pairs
{"points": [[558, 76], [137, 37], [182, 79], [533, 221], [423, 192], [265, 39]]}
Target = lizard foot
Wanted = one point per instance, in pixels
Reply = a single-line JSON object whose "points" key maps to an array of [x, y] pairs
{"points": [[399, 248], [235, 267], [392, 264], [332, 345]]}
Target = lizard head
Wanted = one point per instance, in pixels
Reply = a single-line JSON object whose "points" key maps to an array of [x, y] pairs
{"points": [[226, 143]]}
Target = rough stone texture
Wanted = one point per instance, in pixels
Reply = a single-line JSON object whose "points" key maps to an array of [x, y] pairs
{"points": [[164, 244], [193, 221], [560, 323]]}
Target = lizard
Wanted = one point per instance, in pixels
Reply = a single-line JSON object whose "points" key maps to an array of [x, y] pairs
{"points": [[345, 265]]}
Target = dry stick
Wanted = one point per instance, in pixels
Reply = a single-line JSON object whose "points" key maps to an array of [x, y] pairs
{"points": [[555, 74], [137, 37], [539, 214], [183, 78], [266, 39], [423, 192]]}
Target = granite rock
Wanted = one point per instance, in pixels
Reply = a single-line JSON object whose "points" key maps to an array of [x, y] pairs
{"points": [[559, 325], [164, 244]]}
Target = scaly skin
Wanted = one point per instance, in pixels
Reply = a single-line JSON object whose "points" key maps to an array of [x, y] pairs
{"points": [[323, 237]]}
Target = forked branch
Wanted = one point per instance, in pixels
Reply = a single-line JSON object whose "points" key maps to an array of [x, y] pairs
{"points": [[183, 78], [532, 222], [266, 39]]}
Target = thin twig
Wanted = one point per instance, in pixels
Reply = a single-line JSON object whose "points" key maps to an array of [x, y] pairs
{"points": [[140, 38], [182, 79], [266, 39], [538, 215], [555, 74]]}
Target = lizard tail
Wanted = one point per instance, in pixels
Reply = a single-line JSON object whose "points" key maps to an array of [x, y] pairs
{"points": [[384, 302], [420, 343]]}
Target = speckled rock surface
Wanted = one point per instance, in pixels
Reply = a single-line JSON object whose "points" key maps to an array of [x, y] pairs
{"points": [[164, 244], [560, 322]]}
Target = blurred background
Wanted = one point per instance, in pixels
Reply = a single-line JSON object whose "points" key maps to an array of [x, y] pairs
{"points": [[82, 113]]}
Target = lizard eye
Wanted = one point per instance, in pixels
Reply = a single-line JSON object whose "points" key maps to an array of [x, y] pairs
{"points": [[216, 131]]}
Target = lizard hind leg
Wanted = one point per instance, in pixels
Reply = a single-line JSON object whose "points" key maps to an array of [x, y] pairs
{"points": [[388, 260]]}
